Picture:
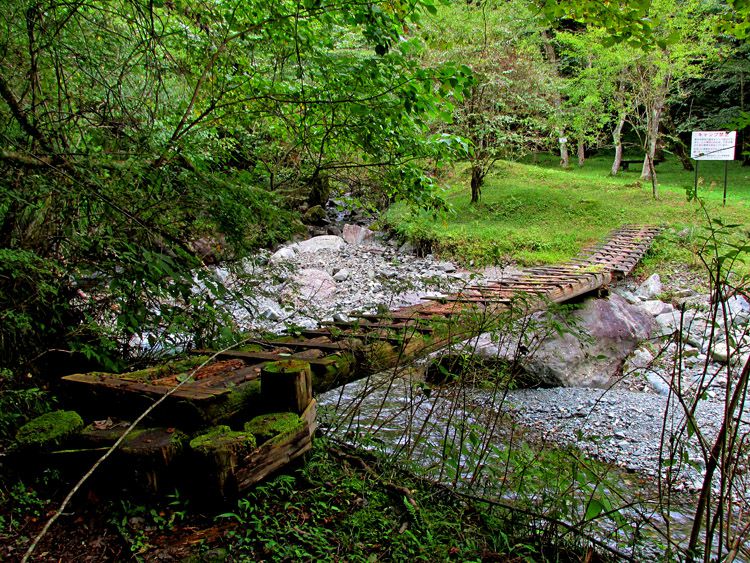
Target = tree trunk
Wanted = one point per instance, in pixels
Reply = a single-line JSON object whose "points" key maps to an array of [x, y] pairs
{"points": [[617, 137], [551, 56], [653, 120], [477, 178], [564, 157], [581, 152]]}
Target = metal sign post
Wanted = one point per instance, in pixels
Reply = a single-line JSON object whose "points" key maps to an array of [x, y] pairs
{"points": [[713, 145]]}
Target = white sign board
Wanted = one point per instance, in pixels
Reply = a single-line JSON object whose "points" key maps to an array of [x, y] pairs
{"points": [[713, 145]]}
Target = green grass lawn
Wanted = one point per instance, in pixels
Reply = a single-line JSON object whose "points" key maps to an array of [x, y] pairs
{"points": [[536, 213]]}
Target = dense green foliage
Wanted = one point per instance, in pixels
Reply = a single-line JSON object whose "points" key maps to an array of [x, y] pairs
{"points": [[140, 138]]}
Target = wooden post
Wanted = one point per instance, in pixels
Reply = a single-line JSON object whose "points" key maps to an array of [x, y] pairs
{"points": [[286, 385]]}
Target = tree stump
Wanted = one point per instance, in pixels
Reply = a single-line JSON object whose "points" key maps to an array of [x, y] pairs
{"points": [[286, 385], [219, 450]]}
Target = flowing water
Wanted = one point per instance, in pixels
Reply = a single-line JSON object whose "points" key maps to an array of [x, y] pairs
{"points": [[470, 438]]}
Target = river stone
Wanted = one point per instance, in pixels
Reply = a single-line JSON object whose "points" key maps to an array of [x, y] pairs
{"points": [[270, 310], [650, 288], [639, 359], [629, 296], [355, 234], [283, 255], [654, 307], [615, 329], [314, 284], [739, 309], [446, 267], [341, 275], [322, 242], [657, 383]]}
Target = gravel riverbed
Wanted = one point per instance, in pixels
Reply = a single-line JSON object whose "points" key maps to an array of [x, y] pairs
{"points": [[325, 278]]}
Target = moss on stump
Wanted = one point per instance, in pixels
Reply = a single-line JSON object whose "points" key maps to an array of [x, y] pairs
{"points": [[274, 425], [219, 450], [220, 439], [48, 430]]}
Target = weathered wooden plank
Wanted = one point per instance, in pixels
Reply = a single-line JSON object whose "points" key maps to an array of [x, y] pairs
{"points": [[274, 454]]}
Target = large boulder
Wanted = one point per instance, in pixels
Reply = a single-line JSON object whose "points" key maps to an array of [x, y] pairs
{"points": [[614, 328], [314, 285], [323, 242]]}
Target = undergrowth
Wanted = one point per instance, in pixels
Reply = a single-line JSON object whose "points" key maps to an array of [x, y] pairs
{"points": [[343, 507]]}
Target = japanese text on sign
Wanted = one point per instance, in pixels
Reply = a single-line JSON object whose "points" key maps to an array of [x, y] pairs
{"points": [[713, 145]]}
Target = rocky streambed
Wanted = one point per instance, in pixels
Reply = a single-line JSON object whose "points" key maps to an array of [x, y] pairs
{"points": [[604, 387]]}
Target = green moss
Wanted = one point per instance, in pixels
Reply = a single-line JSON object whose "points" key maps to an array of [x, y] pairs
{"points": [[167, 369], [222, 439], [239, 399], [286, 366], [162, 370], [332, 370], [48, 430], [251, 348], [274, 425]]}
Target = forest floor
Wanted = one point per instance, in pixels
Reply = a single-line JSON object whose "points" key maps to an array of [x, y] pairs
{"points": [[335, 506]]}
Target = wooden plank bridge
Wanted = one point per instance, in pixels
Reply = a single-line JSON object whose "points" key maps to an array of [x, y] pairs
{"points": [[279, 373]]}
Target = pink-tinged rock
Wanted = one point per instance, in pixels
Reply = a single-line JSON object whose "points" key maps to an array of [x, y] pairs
{"points": [[614, 328], [354, 234], [314, 285]]}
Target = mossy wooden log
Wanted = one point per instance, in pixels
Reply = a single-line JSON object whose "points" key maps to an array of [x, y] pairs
{"points": [[104, 432], [278, 451], [151, 454], [286, 385], [331, 371], [273, 425], [100, 396], [48, 431], [218, 452]]}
